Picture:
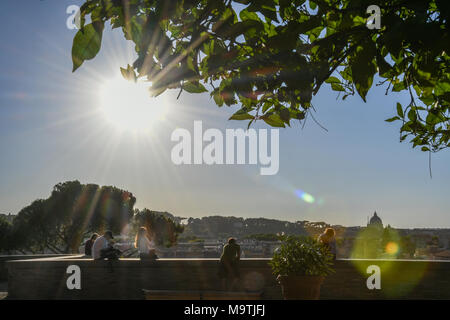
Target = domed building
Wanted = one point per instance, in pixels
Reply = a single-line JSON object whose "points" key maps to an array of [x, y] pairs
{"points": [[375, 221]]}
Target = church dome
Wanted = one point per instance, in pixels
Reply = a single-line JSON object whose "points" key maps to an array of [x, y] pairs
{"points": [[375, 220]]}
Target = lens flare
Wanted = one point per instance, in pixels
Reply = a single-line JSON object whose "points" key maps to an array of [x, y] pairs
{"points": [[305, 196], [381, 247], [392, 248]]}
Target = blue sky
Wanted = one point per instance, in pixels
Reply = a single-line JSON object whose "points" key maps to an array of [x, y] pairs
{"points": [[51, 131]]}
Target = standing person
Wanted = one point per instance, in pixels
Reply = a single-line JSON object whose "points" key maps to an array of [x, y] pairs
{"points": [[89, 243], [229, 264], [103, 247], [145, 246], [328, 239]]}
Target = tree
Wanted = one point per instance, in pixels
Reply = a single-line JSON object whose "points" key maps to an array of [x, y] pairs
{"points": [[435, 241], [5, 233], [263, 237], [224, 227], [82, 209], [389, 235], [31, 231], [272, 56], [408, 246], [165, 230], [71, 213]]}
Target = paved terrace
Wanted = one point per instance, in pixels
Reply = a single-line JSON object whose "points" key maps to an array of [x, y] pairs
{"points": [[45, 278]]}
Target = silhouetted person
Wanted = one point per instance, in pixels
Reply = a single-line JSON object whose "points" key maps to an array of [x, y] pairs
{"points": [[229, 264], [89, 243], [145, 244], [328, 239], [103, 248]]}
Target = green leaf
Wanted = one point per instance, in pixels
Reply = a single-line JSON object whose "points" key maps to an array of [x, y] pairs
{"points": [[247, 15], [400, 110], [285, 115], [412, 115], [434, 118], [194, 87], [392, 119], [363, 67], [333, 80], [273, 120], [337, 87], [300, 115], [383, 67], [128, 73], [242, 114], [86, 43], [266, 106], [399, 86], [266, 7], [218, 99]]}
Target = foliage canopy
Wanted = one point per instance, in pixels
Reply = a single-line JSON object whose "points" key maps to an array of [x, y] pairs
{"points": [[164, 230], [72, 212], [272, 56], [5, 234]]}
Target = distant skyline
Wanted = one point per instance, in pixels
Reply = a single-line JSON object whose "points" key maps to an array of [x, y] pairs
{"points": [[52, 129], [346, 226]]}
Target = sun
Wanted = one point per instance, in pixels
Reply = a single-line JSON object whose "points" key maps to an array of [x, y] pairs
{"points": [[128, 105]]}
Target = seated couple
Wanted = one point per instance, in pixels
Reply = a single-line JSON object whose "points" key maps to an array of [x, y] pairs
{"points": [[103, 247]]}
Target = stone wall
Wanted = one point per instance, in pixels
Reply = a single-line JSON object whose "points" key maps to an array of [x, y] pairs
{"points": [[125, 279], [3, 259]]}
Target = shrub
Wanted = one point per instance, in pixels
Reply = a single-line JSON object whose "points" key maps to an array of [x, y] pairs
{"points": [[301, 256]]}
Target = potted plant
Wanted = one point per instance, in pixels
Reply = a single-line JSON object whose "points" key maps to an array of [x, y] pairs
{"points": [[301, 264]]}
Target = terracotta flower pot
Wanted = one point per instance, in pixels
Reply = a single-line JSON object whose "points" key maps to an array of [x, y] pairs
{"points": [[300, 287]]}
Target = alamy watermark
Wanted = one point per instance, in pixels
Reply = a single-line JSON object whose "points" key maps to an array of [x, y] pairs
{"points": [[189, 150], [374, 21], [374, 281], [74, 280], [74, 19]]}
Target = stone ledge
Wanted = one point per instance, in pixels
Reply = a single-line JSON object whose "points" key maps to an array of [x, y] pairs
{"points": [[5, 258], [125, 278]]}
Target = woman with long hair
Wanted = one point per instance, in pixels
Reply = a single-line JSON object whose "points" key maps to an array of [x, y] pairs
{"points": [[145, 244], [328, 240]]}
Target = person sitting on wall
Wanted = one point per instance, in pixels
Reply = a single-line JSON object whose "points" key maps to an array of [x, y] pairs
{"points": [[103, 248], [145, 244], [328, 239], [229, 264], [89, 243]]}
